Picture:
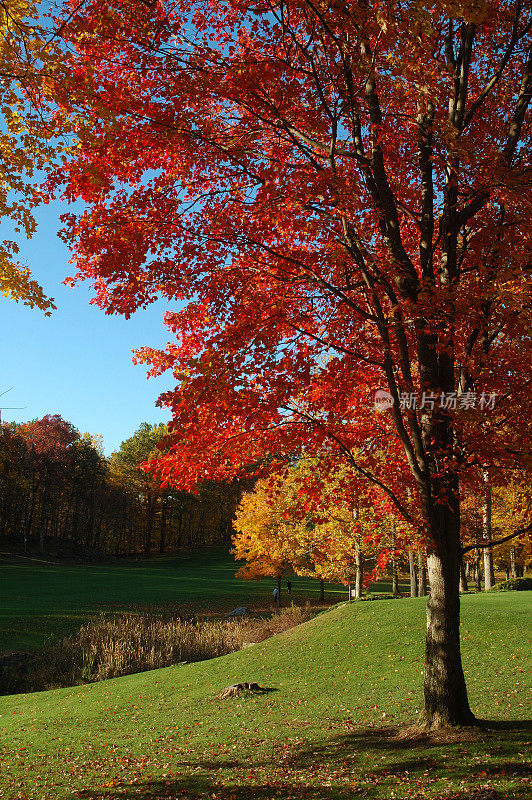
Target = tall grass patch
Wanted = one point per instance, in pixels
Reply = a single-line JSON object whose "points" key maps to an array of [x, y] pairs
{"points": [[109, 647]]}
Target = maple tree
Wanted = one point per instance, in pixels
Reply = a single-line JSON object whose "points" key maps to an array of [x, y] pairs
{"points": [[337, 197], [28, 55]]}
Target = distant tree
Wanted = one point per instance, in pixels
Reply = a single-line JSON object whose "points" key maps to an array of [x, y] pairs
{"points": [[50, 441], [126, 466]]}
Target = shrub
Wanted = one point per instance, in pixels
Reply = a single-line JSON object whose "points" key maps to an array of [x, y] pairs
{"points": [[383, 596], [513, 585]]}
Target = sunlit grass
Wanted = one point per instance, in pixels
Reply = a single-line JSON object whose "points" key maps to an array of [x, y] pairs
{"points": [[346, 685]]}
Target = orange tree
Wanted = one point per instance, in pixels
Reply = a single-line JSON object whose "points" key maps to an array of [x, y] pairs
{"points": [[337, 197]]}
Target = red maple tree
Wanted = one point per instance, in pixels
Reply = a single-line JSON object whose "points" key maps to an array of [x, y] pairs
{"points": [[337, 196]]}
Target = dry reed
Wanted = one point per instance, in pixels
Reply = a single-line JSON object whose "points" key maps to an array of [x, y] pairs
{"points": [[109, 647]]}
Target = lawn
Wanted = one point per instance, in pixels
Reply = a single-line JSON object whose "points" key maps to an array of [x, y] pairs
{"points": [[345, 688], [39, 599]]}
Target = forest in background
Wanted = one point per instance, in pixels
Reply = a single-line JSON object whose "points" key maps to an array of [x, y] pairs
{"points": [[60, 495]]}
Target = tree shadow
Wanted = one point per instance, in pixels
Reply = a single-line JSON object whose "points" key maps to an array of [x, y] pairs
{"points": [[368, 761], [204, 787]]}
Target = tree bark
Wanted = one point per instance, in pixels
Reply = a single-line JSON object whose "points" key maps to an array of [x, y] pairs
{"points": [[445, 690], [513, 568], [278, 592], [395, 575], [322, 590]]}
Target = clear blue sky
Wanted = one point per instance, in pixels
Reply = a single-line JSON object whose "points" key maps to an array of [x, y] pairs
{"points": [[77, 362]]}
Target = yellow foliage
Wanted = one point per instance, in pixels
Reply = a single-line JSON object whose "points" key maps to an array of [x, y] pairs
{"points": [[264, 538], [272, 537], [26, 55]]}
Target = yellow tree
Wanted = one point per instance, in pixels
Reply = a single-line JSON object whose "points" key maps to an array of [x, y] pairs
{"points": [[266, 538], [278, 529], [28, 57], [512, 508]]}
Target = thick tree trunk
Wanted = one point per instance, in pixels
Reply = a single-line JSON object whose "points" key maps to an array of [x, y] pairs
{"points": [[445, 690], [412, 569]]}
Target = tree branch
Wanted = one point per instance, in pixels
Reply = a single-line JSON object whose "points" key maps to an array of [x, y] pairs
{"points": [[493, 543]]}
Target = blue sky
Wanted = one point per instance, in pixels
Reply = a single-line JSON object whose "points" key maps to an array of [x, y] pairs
{"points": [[77, 362]]}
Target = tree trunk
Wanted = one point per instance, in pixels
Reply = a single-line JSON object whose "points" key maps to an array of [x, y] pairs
{"points": [[513, 569], [395, 575], [445, 690], [422, 572], [322, 590], [463, 579], [44, 506], [489, 575], [149, 524], [413, 579], [278, 592], [478, 573], [162, 529], [359, 570]]}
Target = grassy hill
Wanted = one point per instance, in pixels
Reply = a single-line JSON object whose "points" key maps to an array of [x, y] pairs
{"points": [[345, 686]]}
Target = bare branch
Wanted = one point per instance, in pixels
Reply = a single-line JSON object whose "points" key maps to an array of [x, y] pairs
{"points": [[493, 543]]}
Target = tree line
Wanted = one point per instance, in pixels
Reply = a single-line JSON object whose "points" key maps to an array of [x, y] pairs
{"points": [[60, 494]]}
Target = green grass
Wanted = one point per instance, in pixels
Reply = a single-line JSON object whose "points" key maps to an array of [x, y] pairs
{"points": [[345, 684], [41, 600]]}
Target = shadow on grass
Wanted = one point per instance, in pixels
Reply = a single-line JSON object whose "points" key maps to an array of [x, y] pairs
{"points": [[364, 763]]}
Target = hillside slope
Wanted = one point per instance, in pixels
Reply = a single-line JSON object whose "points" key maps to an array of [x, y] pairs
{"points": [[336, 679]]}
